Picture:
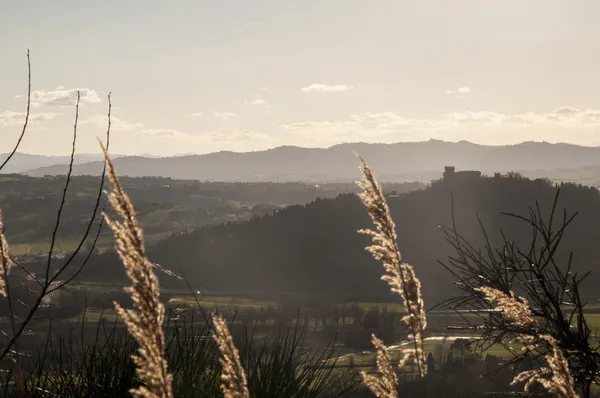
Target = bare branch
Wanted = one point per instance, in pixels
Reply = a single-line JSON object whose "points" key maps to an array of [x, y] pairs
{"points": [[26, 115], [535, 272], [65, 190]]}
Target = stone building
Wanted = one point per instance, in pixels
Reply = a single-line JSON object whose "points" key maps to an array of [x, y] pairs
{"points": [[450, 174]]}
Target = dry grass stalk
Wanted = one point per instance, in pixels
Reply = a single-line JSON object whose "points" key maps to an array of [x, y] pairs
{"points": [[6, 264], [386, 385], [5, 261], [145, 321], [560, 381], [233, 376], [518, 311], [400, 276]]}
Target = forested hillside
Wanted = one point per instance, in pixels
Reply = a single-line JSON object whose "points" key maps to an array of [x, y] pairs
{"points": [[315, 248], [164, 206]]}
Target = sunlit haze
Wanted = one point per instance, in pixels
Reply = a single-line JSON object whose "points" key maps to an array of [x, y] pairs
{"points": [[204, 76]]}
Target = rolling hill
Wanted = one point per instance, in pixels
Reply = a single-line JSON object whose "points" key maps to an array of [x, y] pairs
{"points": [[315, 249], [392, 162], [21, 162], [164, 206]]}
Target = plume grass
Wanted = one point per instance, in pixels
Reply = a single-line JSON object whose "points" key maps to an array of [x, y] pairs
{"points": [[386, 385], [5, 261], [233, 376], [518, 311], [560, 381], [401, 278], [145, 321]]}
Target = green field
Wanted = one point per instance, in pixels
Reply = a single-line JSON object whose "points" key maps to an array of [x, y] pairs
{"points": [[105, 242], [430, 345], [221, 302], [40, 248], [96, 314], [438, 342], [593, 320]]}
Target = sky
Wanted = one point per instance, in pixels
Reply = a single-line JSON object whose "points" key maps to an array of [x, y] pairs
{"points": [[194, 76]]}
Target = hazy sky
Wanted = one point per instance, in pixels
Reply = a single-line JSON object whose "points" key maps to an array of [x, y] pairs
{"points": [[191, 76]]}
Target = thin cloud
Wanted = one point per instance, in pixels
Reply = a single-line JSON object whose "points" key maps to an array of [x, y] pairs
{"points": [[326, 88], [197, 114], [10, 118], [62, 96], [230, 138], [168, 134], [459, 91], [564, 124], [226, 116], [116, 124], [258, 101], [251, 24]]}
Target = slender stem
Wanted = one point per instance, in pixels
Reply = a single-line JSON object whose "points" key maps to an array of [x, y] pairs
{"points": [[26, 115]]}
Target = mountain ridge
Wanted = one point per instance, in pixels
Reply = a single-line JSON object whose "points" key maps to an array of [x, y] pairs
{"points": [[396, 161], [21, 162]]}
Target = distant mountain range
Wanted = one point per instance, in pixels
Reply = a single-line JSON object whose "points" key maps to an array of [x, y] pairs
{"points": [[22, 162], [391, 162]]}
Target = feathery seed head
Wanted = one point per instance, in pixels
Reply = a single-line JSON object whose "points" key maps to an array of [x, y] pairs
{"points": [[560, 381], [5, 261], [385, 385], [233, 375], [516, 309], [145, 321], [400, 276]]}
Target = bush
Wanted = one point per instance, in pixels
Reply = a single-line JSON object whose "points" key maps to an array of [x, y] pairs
{"points": [[99, 364]]}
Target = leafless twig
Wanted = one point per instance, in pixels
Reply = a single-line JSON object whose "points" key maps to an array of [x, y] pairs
{"points": [[10, 155]]}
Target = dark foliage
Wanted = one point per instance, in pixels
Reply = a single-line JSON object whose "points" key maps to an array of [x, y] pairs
{"points": [[461, 376], [164, 206], [541, 273], [96, 362], [315, 248]]}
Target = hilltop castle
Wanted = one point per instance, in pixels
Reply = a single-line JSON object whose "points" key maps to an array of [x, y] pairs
{"points": [[450, 174]]}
